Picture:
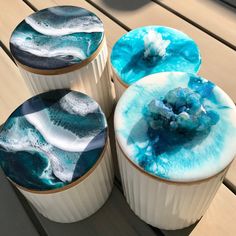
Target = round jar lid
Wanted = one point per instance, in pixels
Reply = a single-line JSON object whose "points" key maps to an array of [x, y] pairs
{"points": [[56, 38], [151, 49], [52, 140], [182, 129]]}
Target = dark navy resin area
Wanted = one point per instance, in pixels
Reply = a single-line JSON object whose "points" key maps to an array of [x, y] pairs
{"points": [[183, 128], [151, 49], [52, 140], [56, 37]]}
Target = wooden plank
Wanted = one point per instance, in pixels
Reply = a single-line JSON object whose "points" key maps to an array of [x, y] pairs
{"points": [[13, 90], [230, 179], [214, 16], [12, 13], [14, 221], [218, 60], [219, 219], [114, 218]]}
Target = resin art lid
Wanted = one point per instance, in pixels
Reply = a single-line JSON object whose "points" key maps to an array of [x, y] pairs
{"points": [[151, 49], [183, 129], [56, 38], [52, 140]]}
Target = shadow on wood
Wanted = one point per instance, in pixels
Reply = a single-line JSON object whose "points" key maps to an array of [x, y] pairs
{"points": [[121, 6], [180, 232]]}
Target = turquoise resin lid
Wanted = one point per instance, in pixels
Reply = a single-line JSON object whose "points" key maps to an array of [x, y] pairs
{"points": [[151, 49], [52, 140], [56, 37], [182, 129]]}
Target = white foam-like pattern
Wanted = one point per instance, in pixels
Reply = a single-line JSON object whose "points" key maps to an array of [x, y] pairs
{"points": [[29, 142], [47, 49], [75, 105], [58, 136], [82, 24], [154, 44]]}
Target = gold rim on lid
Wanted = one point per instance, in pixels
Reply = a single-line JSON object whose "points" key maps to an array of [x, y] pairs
{"points": [[64, 69], [167, 181], [71, 185], [119, 79]]}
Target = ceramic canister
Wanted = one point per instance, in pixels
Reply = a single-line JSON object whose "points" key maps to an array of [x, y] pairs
{"points": [[174, 146], [55, 149], [151, 49], [64, 47]]}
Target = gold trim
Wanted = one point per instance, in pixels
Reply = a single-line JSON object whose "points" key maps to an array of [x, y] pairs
{"points": [[119, 79], [64, 69], [170, 181], [71, 185]]}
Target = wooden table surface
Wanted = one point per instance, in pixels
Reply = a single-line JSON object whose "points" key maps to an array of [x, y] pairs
{"points": [[212, 24]]}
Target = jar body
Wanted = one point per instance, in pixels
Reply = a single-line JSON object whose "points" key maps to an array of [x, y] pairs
{"points": [[82, 199], [163, 204]]}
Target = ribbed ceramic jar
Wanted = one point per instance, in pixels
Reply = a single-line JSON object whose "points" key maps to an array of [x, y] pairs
{"points": [[55, 149], [152, 49], [64, 47], [171, 172]]}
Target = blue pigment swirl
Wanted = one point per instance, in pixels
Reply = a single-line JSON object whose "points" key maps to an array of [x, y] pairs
{"points": [[56, 37], [183, 128], [153, 49], [52, 140]]}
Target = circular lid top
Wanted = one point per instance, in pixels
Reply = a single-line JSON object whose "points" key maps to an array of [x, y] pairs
{"points": [[153, 49], [182, 129], [56, 37], [52, 139]]}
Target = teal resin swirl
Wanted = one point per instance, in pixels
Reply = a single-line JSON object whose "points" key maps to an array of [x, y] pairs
{"points": [[151, 49], [56, 37], [52, 139], [177, 126]]}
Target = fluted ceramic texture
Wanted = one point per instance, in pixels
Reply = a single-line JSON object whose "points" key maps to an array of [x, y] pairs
{"points": [[119, 87], [79, 201], [93, 79], [166, 205]]}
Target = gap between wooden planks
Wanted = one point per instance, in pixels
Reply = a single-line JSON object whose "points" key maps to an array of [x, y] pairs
{"points": [[213, 223], [13, 90], [214, 16]]}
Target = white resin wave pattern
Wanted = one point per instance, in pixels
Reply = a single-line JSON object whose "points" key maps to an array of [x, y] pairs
{"points": [[83, 24]]}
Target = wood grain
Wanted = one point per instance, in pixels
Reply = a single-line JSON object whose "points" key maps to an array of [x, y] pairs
{"points": [[13, 90], [214, 16], [219, 219], [12, 13]]}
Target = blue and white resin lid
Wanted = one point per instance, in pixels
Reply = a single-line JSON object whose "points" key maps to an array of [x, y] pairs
{"points": [[57, 37], [151, 49], [176, 126], [52, 140]]}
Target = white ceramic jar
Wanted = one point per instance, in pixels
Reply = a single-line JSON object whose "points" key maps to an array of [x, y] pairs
{"points": [[176, 135], [152, 49], [64, 47], [55, 149]]}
